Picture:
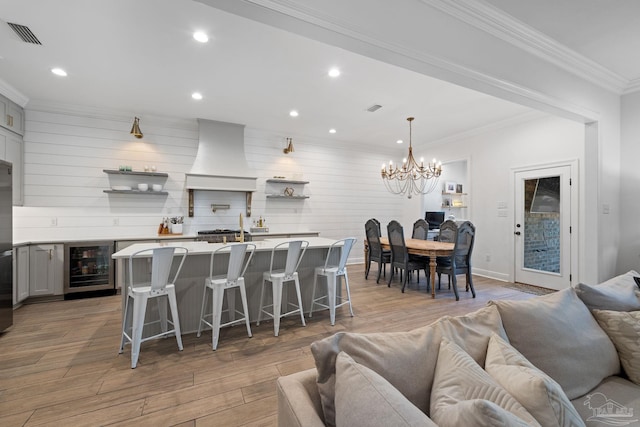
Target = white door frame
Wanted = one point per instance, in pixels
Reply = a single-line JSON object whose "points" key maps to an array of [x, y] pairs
{"points": [[574, 215]]}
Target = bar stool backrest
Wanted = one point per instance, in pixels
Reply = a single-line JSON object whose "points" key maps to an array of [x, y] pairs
{"points": [[161, 262], [237, 264], [295, 252], [345, 246]]}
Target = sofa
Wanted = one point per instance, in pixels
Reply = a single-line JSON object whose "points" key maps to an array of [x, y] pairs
{"points": [[569, 358]]}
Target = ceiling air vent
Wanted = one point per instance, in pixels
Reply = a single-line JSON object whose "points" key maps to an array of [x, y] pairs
{"points": [[24, 33], [374, 107]]}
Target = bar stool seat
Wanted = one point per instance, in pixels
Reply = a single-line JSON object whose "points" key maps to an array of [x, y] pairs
{"points": [[331, 273], [234, 279], [133, 321], [280, 277]]}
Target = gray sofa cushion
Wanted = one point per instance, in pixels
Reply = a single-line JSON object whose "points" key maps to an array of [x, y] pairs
{"points": [[620, 293], [624, 330], [612, 394], [535, 390], [464, 394], [365, 399], [405, 359], [558, 334]]}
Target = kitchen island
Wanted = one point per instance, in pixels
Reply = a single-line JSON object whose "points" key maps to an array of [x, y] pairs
{"points": [[190, 283]]}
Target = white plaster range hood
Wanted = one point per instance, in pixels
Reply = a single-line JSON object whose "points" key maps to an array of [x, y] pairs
{"points": [[220, 163]]}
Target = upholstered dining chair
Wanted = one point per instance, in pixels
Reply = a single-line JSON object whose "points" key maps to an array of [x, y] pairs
{"points": [[375, 251], [460, 261], [400, 257], [420, 231]]}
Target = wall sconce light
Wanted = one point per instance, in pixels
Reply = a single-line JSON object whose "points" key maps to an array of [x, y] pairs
{"points": [[289, 148], [135, 130]]}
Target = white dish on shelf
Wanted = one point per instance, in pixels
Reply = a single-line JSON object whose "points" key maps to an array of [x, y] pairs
{"points": [[156, 187], [121, 188], [143, 187]]}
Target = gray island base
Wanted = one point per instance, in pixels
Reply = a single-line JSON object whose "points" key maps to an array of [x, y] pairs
{"points": [[190, 283]]}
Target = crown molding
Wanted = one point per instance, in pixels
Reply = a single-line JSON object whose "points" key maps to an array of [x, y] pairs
{"points": [[111, 114], [13, 94], [476, 13], [484, 129], [494, 21], [633, 87]]}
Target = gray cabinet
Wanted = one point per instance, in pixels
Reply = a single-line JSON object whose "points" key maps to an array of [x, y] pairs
{"points": [[11, 150], [21, 270], [12, 116], [46, 264]]}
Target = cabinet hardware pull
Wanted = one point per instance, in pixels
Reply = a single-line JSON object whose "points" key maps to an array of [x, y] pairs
{"points": [[50, 254]]}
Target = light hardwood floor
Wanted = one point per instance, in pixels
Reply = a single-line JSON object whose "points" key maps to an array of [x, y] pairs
{"points": [[59, 363]]}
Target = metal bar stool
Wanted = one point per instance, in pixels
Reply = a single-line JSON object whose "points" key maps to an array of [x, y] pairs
{"points": [[278, 278], [237, 265], [141, 293], [332, 273]]}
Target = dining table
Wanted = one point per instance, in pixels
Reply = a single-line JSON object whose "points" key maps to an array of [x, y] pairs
{"points": [[430, 248]]}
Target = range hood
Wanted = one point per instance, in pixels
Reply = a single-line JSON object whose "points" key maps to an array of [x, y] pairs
{"points": [[220, 162]]}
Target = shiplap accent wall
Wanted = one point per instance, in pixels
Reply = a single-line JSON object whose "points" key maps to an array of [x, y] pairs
{"points": [[66, 150]]}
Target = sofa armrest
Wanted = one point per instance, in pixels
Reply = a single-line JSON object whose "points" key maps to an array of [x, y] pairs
{"points": [[299, 400]]}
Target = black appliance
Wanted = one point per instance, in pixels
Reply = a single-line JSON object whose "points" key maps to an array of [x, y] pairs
{"points": [[6, 246], [88, 267], [434, 219], [220, 235]]}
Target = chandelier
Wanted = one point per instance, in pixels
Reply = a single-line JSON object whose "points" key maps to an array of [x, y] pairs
{"points": [[412, 178]]}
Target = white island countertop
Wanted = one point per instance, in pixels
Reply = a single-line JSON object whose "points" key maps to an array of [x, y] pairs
{"points": [[200, 248]]}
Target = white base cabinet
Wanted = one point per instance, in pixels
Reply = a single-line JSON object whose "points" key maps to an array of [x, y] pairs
{"points": [[46, 263]]}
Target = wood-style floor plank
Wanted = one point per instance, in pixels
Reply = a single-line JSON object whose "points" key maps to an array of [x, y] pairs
{"points": [[59, 363]]}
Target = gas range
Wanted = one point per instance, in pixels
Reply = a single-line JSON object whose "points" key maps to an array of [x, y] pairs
{"points": [[220, 235]]}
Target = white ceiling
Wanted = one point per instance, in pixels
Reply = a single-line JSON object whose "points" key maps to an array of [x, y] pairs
{"points": [[139, 56]]}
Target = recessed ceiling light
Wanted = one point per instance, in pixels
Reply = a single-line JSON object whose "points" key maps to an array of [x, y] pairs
{"points": [[196, 95], [334, 72], [399, 141], [201, 37], [59, 72], [293, 113], [332, 131]]}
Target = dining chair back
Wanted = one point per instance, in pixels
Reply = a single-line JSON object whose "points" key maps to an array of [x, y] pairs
{"points": [[278, 278], [140, 292], [375, 253], [240, 255], [420, 229], [399, 255], [332, 272], [460, 260]]}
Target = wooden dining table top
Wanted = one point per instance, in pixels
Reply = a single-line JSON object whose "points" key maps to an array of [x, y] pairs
{"points": [[423, 247]]}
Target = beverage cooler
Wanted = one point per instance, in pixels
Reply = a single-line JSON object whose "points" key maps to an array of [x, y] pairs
{"points": [[88, 267]]}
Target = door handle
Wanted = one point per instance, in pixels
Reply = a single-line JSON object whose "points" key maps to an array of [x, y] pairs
{"points": [[517, 233]]}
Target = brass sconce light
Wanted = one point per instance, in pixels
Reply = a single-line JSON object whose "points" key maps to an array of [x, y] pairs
{"points": [[135, 130], [289, 148]]}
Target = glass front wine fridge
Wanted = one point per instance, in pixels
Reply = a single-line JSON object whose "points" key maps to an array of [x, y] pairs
{"points": [[89, 267]]}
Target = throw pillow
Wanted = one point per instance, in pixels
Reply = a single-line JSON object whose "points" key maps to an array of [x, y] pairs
{"points": [[619, 293], [463, 394], [364, 398], [406, 359], [558, 335], [624, 330], [535, 390]]}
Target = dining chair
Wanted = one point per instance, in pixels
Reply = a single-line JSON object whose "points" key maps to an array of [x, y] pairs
{"points": [[460, 261], [375, 253], [400, 257], [240, 255], [139, 294], [278, 278], [332, 273], [420, 231]]}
